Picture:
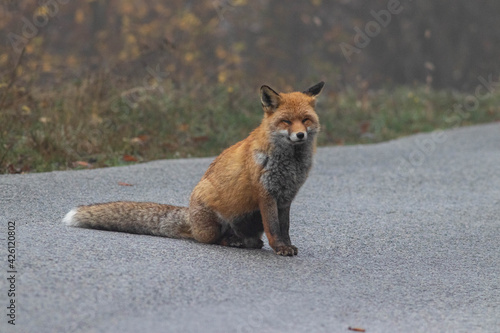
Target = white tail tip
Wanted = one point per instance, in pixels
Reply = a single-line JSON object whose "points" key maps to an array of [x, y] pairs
{"points": [[69, 219]]}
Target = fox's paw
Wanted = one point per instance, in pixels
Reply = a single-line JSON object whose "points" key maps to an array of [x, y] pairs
{"points": [[286, 250], [232, 241]]}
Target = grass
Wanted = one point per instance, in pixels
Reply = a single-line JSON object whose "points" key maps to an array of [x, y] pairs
{"points": [[96, 123]]}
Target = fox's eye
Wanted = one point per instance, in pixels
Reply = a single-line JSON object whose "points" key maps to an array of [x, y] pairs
{"points": [[305, 120], [288, 122]]}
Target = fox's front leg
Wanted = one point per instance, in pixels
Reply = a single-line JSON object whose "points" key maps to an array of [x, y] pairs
{"points": [[276, 225], [284, 221]]}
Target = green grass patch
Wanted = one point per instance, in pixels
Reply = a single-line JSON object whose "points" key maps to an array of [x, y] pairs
{"points": [[93, 123]]}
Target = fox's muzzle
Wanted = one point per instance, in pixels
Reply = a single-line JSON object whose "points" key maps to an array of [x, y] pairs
{"points": [[298, 136]]}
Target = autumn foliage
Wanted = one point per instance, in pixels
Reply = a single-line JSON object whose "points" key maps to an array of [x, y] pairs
{"points": [[107, 82]]}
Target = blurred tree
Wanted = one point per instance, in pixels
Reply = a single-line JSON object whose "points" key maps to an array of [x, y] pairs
{"points": [[446, 43]]}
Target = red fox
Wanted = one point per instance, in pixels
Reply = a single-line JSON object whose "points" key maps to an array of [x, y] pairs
{"points": [[247, 190]]}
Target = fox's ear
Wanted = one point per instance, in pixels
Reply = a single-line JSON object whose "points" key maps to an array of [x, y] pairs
{"points": [[315, 90], [269, 98]]}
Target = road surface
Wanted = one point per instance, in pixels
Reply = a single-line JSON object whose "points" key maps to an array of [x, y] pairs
{"points": [[402, 236]]}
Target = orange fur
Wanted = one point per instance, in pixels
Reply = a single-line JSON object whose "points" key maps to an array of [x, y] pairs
{"points": [[231, 184], [247, 190]]}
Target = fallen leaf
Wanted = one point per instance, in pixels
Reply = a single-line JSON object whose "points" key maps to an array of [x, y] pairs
{"points": [[200, 139], [364, 126], [141, 139], [356, 329], [26, 109], [124, 184], [129, 158], [183, 127], [83, 164]]}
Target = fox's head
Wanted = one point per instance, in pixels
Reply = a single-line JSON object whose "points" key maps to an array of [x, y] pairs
{"points": [[290, 117]]}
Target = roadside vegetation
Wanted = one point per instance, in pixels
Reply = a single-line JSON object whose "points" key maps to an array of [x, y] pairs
{"points": [[98, 122], [88, 84]]}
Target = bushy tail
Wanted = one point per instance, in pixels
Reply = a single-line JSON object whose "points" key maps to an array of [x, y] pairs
{"points": [[134, 217]]}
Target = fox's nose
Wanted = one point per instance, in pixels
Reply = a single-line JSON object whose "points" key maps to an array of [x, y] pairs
{"points": [[300, 135]]}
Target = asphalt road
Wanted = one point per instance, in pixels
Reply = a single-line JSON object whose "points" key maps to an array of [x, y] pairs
{"points": [[402, 236]]}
